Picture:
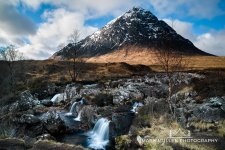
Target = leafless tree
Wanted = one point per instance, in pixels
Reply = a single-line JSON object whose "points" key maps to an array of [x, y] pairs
{"points": [[10, 55], [171, 61], [76, 64]]}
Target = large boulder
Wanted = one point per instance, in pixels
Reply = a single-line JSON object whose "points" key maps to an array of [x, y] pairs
{"points": [[27, 101], [211, 110], [122, 122], [53, 123], [29, 119], [129, 92], [89, 115], [71, 91]]}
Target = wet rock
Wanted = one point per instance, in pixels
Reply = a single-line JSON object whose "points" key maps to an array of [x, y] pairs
{"points": [[88, 115], [53, 123], [47, 103]]}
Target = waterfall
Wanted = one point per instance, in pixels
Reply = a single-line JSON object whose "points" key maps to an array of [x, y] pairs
{"points": [[73, 107], [98, 138], [78, 118], [54, 99], [135, 106]]}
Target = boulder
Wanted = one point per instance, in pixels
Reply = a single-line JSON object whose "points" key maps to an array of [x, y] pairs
{"points": [[122, 94], [27, 101], [28, 119], [122, 122], [71, 91], [211, 110], [88, 115], [53, 123]]}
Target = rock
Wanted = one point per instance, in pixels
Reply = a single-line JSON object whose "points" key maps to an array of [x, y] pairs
{"points": [[122, 122], [126, 93], [211, 110], [47, 103], [45, 137], [88, 115], [27, 101], [179, 113], [90, 91], [58, 98], [53, 123], [71, 91], [29, 119]]}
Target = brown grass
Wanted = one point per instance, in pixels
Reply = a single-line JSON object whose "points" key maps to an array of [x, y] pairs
{"points": [[147, 57]]}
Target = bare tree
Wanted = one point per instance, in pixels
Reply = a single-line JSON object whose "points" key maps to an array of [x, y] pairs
{"points": [[76, 64], [171, 61], [9, 54]]}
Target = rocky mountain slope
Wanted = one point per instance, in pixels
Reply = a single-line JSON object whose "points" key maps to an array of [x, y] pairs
{"points": [[137, 27]]}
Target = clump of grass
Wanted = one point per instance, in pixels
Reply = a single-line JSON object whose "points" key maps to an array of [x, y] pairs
{"points": [[221, 128], [123, 142], [202, 125]]}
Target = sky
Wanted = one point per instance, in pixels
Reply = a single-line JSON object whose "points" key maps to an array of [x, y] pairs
{"points": [[38, 27]]}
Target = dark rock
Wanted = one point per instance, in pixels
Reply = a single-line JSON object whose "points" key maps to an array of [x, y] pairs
{"points": [[27, 101], [211, 110], [88, 115], [53, 123], [47, 103], [28, 119], [122, 122]]}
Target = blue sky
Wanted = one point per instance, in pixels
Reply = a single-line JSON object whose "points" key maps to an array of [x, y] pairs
{"points": [[37, 27]]}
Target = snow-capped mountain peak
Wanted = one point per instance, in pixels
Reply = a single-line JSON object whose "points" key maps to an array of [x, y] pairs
{"points": [[135, 27]]}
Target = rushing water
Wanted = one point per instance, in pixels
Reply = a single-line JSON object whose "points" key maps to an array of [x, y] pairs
{"points": [[78, 118], [73, 107], [55, 98], [135, 106], [98, 138]]}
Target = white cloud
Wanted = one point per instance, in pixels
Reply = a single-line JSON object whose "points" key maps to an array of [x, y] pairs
{"points": [[90, 8], [211, 42], [197, 8], [13, 25], [58, 26], [183, 28]]}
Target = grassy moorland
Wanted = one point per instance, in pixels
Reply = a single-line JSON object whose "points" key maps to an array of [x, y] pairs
{"points": [[34, 74]]}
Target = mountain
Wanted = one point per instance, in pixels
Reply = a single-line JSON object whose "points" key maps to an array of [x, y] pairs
{"points": [[137, 27]]}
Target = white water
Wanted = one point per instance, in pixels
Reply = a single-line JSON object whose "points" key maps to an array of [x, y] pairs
{"points": [[73, 108], [99, 136], [135, 106], [78, 118], [54, 99]]}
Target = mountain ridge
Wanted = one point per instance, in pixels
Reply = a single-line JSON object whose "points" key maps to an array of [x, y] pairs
{"points": [[137, 27]]}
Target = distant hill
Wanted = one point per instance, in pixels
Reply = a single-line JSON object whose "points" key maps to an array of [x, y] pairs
{"points": [[137, 27]]}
